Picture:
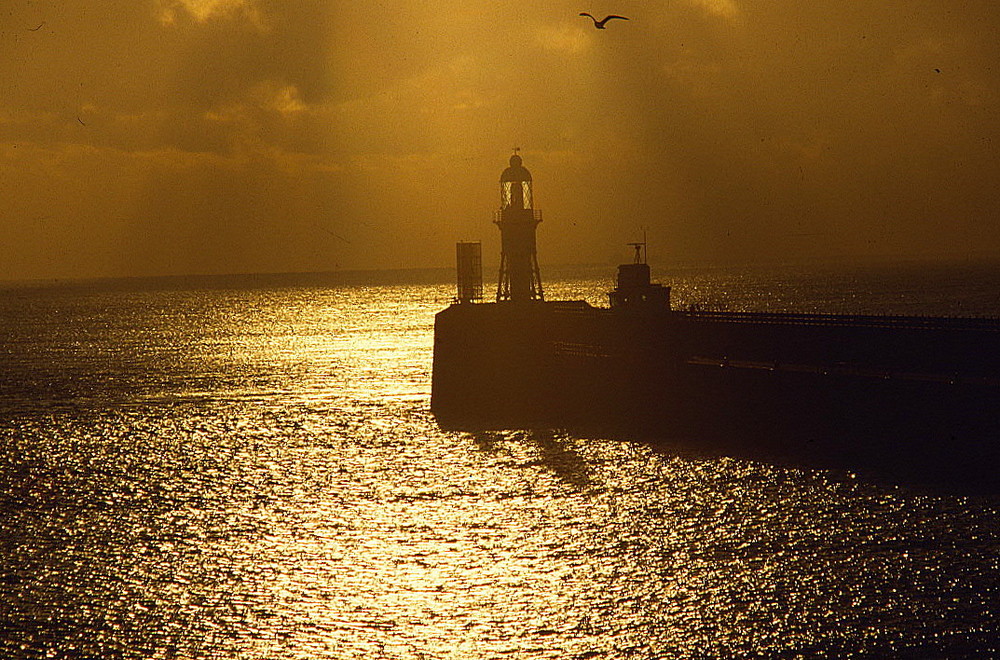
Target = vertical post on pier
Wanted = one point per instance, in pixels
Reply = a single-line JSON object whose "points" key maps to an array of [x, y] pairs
{"points": [[469, 259]]}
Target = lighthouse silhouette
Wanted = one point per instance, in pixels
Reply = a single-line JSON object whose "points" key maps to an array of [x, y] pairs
{"points": [[520, 280]]}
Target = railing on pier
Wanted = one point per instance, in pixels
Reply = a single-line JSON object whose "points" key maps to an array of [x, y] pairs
{"points": [[855, 320]]}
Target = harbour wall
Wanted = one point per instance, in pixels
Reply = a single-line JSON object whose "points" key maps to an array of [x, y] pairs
{"points": [[896, 395]]}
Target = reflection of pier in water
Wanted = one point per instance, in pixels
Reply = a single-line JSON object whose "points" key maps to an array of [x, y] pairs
{"points": [[555, 452]]}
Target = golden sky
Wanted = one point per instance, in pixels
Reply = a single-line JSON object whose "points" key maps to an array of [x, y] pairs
{"points": [[213, 136]]}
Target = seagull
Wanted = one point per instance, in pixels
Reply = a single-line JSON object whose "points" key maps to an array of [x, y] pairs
{"points": [[599, 24]]}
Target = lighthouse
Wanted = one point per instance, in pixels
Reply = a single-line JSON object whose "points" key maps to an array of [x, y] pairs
{"points": [[517, 219]]}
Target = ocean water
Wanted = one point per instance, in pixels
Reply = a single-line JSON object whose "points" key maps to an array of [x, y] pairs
{"points": [[244, 468]]}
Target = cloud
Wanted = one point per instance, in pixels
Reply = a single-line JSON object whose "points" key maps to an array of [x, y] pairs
{"points": [[723, 126], [171, 12], [722, 8], [564, 37]]}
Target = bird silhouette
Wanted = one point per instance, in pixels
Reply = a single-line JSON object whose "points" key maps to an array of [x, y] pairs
{"points": [[599, 24]]}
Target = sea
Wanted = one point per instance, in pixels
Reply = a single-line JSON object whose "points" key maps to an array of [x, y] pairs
{"points": [[246, 467]]}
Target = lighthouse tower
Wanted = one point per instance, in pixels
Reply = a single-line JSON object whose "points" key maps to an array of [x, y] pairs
{"points": [[517, 218]]}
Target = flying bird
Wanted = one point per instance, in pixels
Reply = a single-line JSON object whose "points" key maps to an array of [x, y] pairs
{"points": [[599, 24]]}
